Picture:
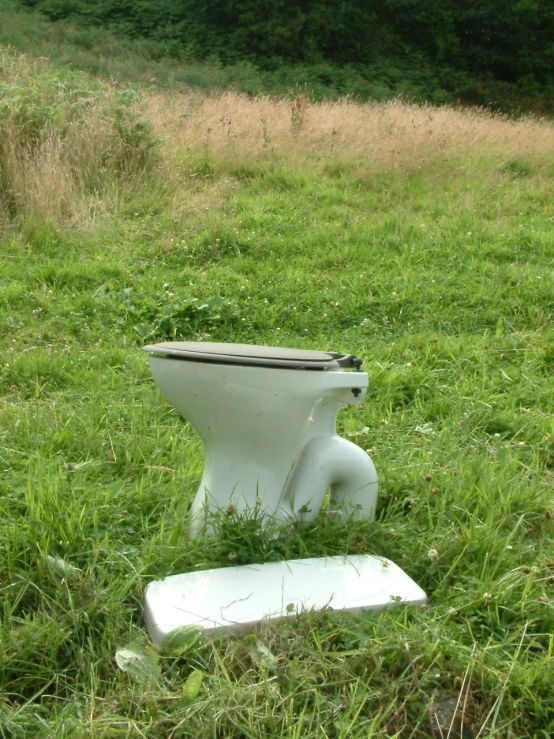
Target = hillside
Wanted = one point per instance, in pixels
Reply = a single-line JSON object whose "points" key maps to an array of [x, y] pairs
{"points": [[495, 54]]}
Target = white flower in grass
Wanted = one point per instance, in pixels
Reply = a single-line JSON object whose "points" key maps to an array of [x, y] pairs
{"points": [[433, 555]]}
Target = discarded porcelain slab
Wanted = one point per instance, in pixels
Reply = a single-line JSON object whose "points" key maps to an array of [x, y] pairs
{"points": [[231, 599]]}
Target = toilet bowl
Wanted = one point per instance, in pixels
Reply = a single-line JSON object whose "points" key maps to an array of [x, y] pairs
{"points": [[267, 419]]}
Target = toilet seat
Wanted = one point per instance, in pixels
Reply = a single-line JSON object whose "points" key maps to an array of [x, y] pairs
{"points": [[249, 355]]}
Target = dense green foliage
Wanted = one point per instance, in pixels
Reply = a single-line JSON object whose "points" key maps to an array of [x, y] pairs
{"points": [[497, 53], [118, 57]]}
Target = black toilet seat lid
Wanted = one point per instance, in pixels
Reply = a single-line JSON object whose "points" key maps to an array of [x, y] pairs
{"points": [[252, 355]]}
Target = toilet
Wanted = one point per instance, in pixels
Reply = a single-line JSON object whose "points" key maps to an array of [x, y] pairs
{"points": [[267, 419]]}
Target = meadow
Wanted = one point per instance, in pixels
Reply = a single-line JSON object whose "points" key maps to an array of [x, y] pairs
{"points": [[419, 238]]}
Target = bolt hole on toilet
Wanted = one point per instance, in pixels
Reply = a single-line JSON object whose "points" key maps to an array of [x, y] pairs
{"points": [[267, 419]]}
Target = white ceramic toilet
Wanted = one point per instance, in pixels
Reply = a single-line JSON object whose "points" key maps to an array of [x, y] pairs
{"points": [[267, 419]]}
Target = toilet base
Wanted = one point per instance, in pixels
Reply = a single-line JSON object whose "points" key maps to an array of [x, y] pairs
{"points": [[231, 599]]}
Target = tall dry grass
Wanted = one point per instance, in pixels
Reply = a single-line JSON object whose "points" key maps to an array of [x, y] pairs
{"points": [[65, 141], [396, 134], [39, 181], [64, 176], [64, 146]]}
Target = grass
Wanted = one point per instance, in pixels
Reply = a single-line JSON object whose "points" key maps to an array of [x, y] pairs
{"points": [[434, 265]]}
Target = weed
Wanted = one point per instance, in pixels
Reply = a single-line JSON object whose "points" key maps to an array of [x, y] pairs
{"points": [[265, 134], [299, 107]]}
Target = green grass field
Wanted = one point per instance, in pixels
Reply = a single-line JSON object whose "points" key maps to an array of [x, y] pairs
{"points": [[437, 271]]}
